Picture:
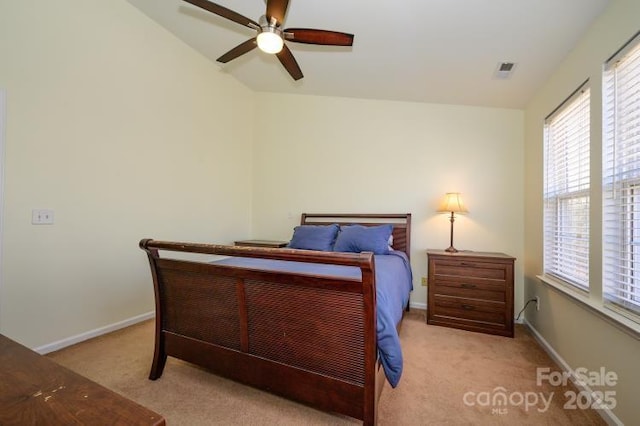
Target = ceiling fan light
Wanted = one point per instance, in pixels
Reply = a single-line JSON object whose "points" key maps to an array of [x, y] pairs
{"points": [[270, 42]]}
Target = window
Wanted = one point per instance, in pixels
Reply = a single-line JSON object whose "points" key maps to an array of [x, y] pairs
{"points": [[621, 178], [566, 190]]}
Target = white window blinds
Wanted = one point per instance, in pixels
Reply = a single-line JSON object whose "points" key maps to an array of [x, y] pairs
{"points": [[621, 178], [566, 190]]}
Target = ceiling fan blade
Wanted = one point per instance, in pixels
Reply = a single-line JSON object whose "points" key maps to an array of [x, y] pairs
{"points": [[289, 62], [277, 9], [324, 37], [224, 12], [240, 49]]}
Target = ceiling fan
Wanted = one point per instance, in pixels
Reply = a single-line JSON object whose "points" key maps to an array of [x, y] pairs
{"points": [[270, 36]]}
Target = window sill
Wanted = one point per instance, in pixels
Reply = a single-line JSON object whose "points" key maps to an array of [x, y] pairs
{"points": [[609, 315]]}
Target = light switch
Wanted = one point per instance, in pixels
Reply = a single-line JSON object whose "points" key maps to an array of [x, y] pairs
{"points": [[42, 217]]}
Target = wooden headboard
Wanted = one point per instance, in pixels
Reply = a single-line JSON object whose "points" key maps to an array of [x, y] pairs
{"points": [[401, 224]]}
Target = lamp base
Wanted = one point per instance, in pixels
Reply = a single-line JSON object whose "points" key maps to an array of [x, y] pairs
{"points": [[451, 249]]}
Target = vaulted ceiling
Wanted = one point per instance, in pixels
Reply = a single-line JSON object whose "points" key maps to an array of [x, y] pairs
{"points": [[436, 51]]}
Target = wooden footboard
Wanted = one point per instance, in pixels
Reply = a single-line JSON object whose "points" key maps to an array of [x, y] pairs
{"points": [[310, 338]]}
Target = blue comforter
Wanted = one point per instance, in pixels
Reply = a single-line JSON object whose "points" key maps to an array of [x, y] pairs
{"points": [[393, 285]]}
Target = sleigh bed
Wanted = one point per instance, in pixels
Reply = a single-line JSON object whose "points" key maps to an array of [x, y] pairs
{"points": [[319, 327]]}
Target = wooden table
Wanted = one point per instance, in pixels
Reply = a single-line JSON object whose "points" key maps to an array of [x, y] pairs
{"points": [[261, 243], [34, 390]]}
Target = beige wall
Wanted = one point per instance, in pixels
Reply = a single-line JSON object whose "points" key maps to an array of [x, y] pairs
{"points": [[580, 337], [126, 133], [332, 155]]}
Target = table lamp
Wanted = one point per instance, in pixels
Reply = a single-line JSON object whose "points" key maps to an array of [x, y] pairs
{"points": [[452, 203]]}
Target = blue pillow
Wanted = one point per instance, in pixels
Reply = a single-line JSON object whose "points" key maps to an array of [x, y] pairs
{"points": [[358, 238], [314, 237]]}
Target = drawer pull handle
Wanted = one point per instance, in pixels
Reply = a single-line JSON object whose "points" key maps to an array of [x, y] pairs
{"points": [[467, 285], [468, 264], [468, 307]]}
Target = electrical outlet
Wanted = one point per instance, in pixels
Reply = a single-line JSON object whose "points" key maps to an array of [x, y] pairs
{"points": [[42, 217], [537, 303], [424, 281]]}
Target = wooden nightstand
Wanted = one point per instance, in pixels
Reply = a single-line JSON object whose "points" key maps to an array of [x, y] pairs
{"points": [[261, 243], [471, 290]]}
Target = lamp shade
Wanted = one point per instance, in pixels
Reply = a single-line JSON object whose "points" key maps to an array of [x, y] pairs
{"points": [[452, 203]]}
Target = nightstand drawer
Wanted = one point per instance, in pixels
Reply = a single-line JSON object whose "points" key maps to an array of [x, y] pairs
{"points": [[461, 268], [469, 282], [470, 288], [472, 309]]}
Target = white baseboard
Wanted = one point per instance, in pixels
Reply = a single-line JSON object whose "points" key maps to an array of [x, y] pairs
{"points": [[605, 413], [60, 344], [418, 305]]}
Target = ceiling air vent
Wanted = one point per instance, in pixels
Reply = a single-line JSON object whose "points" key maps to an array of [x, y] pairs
{"points": [[504, 70]]}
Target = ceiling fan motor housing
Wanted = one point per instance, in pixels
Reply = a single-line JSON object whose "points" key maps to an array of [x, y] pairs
{"points": [[270, 37]]}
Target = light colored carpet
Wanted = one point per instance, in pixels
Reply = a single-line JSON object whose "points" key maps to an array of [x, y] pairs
{"points": [[442, 365]]}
